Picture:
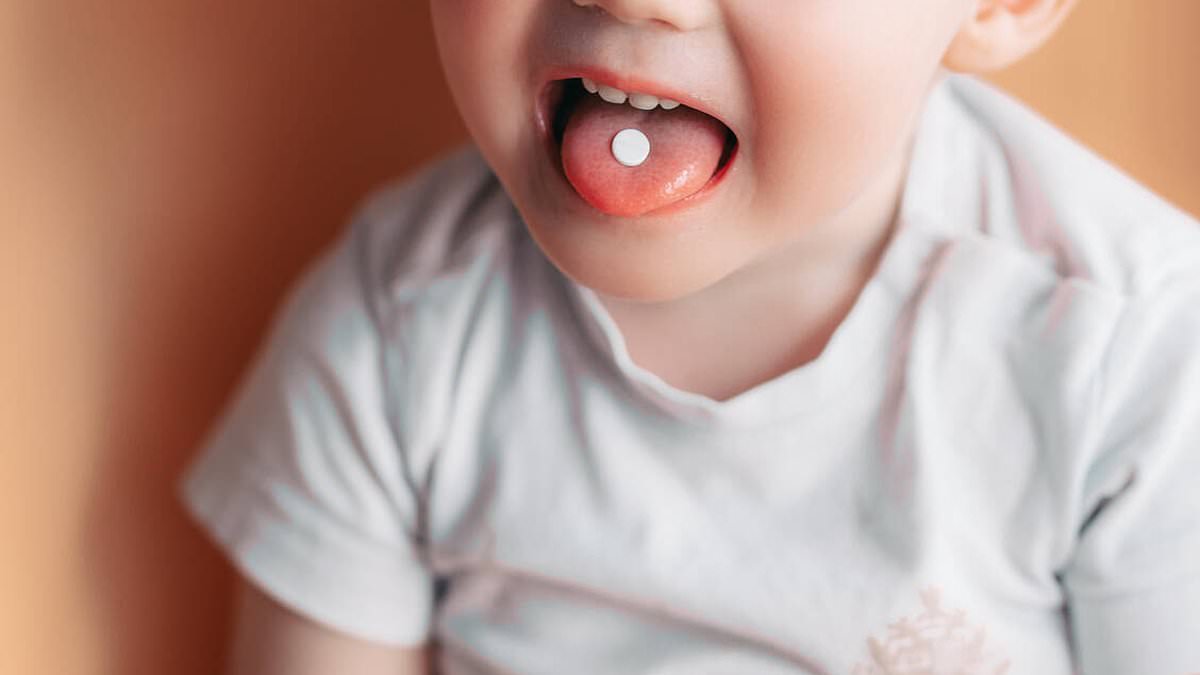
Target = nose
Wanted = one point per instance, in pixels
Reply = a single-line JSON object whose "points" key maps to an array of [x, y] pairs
{"points": [[681, 15]]}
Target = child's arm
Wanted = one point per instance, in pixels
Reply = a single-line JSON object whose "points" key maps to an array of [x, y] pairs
{"points": [[270, 639], [305, 483]]}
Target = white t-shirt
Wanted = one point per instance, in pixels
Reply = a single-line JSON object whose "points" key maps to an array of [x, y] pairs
{"points": [[993, 467]]}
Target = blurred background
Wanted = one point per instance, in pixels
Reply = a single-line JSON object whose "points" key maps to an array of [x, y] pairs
{"points": [[167, 167]]}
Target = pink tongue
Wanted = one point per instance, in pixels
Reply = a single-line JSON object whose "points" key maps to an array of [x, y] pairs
{"points": [[685, 147]]}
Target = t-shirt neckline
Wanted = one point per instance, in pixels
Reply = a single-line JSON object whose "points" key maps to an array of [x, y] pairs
{"points": [[858, 341]]}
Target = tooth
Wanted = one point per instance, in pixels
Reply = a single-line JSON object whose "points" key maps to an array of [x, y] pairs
{"points": [[611, 94], [643, 101], [668, 104], [589, 85]]}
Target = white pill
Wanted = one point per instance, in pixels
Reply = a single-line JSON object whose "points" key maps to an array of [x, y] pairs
{"points": [[630, 147]]}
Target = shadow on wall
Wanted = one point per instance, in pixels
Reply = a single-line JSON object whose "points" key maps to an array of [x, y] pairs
{"points": [[224, 146]]}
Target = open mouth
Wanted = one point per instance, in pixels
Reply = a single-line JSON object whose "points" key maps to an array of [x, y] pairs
{"points": [[564, 103]]}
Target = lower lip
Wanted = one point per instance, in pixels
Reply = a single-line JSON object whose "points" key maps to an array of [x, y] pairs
{"points": [[544, 110]]}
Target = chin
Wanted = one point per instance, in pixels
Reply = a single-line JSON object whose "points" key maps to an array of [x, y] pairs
{"points": [[632, 273], [637, 288]]}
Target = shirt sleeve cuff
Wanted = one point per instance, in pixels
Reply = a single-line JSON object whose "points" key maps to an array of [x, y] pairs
{"points": [[321, 569]]}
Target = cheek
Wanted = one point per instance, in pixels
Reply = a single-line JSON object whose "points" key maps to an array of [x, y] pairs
{"points": [[479, 46], [836, 94]]}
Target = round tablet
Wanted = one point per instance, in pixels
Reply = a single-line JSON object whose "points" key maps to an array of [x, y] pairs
{"points": [[630, 147]]}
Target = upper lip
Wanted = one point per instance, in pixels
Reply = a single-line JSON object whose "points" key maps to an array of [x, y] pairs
{"points": [[635, 82]]}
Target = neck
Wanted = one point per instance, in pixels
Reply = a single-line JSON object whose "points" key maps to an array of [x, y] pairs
{"points": [[843, 251], [773, 315]]}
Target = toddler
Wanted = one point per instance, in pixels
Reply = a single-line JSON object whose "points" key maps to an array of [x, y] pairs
{"points": [[746, 337]]}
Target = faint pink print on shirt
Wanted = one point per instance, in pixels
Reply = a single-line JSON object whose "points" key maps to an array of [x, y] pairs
{"points": [[935, 641]]}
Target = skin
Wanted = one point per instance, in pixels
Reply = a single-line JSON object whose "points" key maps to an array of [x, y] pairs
{"points": [[824, 96]]}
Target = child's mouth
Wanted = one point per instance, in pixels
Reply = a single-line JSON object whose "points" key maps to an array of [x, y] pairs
{"points": [[689, 150]]}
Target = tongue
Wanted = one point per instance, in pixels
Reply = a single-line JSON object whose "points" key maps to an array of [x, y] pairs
{"points": [[685, 148]]}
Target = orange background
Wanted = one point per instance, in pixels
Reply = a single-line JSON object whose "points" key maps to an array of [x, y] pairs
{"points": [[167, 167]]}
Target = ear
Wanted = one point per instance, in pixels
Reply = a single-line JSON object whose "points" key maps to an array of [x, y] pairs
{"points": [[1003, 31]]}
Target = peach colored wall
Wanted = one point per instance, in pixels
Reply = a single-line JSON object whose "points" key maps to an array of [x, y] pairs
{"points": [[175, 163], [1124, 78], [167, 167]]}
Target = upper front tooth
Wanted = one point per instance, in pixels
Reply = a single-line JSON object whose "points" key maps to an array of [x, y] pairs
{"points": [[643, 101], [612, 94], [635, 99]]}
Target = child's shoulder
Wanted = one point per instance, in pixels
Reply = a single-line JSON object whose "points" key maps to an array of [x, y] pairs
{"points": [[1084, 283], [1042, 194], [443, 222]]}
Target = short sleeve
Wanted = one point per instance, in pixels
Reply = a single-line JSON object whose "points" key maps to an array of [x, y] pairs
{"points": [[1133, 584], [302, 480]]}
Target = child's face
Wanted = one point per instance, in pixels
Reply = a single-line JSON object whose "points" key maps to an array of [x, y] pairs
{"points": [[822, 96]]}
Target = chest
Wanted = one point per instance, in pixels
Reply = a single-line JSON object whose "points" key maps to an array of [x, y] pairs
{"points": [[568, 533]]}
